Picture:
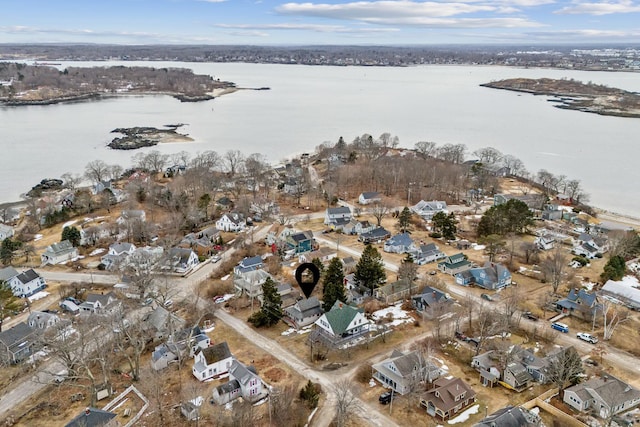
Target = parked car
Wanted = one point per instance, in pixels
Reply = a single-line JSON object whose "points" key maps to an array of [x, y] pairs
{"points": [[76, 301], [529, 315], [486, 297], [461, 336], [587, 337], [385, 398], [560, 327], [219, 299], [168, 303], [216, 258]]}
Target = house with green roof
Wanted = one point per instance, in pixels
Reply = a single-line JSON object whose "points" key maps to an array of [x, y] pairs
{"points": [[454, 264], [341, 326]]}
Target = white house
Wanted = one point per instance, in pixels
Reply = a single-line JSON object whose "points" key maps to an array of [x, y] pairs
{"points": [[26, 284], [6, 231], [341, 325], [59, 253], [243, 382], [545, 242], [181, 260], [132, 215], [428, 209], [337, 218], [369, 197], [403, 372], [100, 303], [212, 362], [232, 221], [400, 244], [303, 313], [42, 320], [117, 255], [8, 273]]}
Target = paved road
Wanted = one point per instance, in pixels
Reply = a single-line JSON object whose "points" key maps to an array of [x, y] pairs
{"points": [[65, 276]]}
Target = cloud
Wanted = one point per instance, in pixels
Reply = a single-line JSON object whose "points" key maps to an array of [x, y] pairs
{"points": [[421, 14], [308, 27], [600, 8]]}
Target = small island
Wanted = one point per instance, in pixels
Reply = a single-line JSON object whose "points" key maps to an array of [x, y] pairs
{"points": [[139, 137], [574, 95]]}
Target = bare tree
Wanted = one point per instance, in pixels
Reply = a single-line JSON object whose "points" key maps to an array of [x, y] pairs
{"points": [[529, 251], [511, 299], [71, 181], [554, 268], [96, 171], [486, 325], [130, 340], [426, 148], [565, 368], [488, 155], [233, 160], [612, 316], [379, 211], [346, 401], [284, 410]]}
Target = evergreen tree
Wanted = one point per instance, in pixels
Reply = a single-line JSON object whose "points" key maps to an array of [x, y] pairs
{"points": [[8, 249], [404, 220], [614, 269], [511, 217], [9, 303], [333, 284], [445, 225], [72, 234], [370, 269], [271, 311]]}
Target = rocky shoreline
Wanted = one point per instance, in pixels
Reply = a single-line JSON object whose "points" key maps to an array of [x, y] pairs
{"points": [[140, 136], [574, 95]]}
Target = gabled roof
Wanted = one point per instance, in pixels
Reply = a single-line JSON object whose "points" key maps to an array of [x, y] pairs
{"points": [[240, 372], [15, 335], [309, 306], [431, 296], [92, 417], [121, 247], [429, 247], [216, 353], [341, 210], [102, 298], [609, 389], [402, 239], [368, 195], [376, 233], [447, 389], [7, 273], [228, 387], [160, 319], [510, 416], [251, 262], [340, 317], [60, 248]]}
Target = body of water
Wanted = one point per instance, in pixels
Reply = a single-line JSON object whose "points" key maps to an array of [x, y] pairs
{"points": [[307, 106]]}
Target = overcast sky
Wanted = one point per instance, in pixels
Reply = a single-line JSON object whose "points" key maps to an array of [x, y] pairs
{"points": [[272, 22]]}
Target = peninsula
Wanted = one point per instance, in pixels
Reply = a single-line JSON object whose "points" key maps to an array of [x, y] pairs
{"points": [[44, 84], [574, 95]]}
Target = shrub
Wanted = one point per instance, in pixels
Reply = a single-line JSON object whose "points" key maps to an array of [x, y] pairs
{"points": [[363, 374], [310, 394], [435, 235]]}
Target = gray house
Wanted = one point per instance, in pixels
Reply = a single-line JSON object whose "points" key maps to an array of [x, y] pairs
{"points": [[603, 396], [243, 382], [511, 416], [402, 372], [400, 244], [303, 313], [432, 302], [16, 343], [337, 218]]}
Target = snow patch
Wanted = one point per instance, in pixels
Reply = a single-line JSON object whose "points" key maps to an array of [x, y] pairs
{"points": [[38, 295], [465, 415], [69, 223], [479, 247], [37, 237], [225, 277], [97, 251], [397, 314]]}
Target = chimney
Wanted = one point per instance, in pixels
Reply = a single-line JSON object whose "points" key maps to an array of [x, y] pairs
{"points": [[87, 411]]}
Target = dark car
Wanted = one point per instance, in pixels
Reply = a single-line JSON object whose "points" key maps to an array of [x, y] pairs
{"points": [[461, 336], [385, 398], [486, 297], [529, 315]]}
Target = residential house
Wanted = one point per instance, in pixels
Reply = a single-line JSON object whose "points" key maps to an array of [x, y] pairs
{"points": [[212, 362], [515, 375], [232, 221], [6, 232], [181, 260], [369, 197], [428, 253], [395, 291], [224, 203], [132, 215], [91, 235], [492, 276], [118, 255], [400, 244], [189, 340], [426, 210], [292, 186], [349, 264], [8, 273], [161, 323], [358, 227], [324, 254], [454, 264], [16, 343], [533, 201], [303, 313], [250, 282], [449, 397], [288, 295], [101, 186], [59, 253], [341, 326], [212, 234], [551, 212], [545, 242], [163, 355], [200, 245], [101, 303], [94, 417], [27, 283], [579, 303], [42, 320], [403, 372], [243, 382], [300, 242], [191, 409], [589, 246], [248, 264], [337, 218], [511, 416], [432, 302], [604, 396], [376, 235]]}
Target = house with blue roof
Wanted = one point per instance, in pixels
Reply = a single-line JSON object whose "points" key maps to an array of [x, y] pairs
{"points": [[249, 264], [400, 244], [579, 303], [492, 276], [300, 242]]}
